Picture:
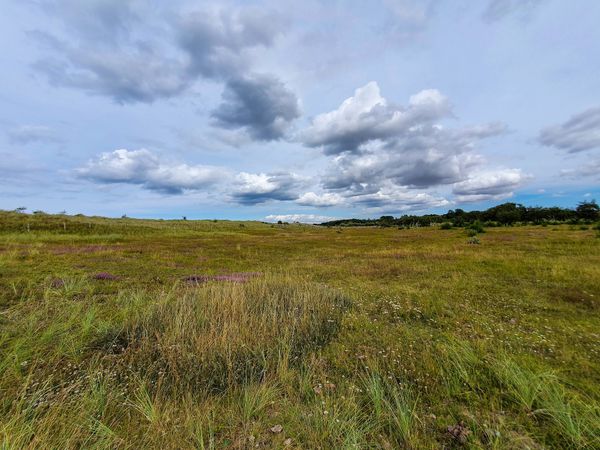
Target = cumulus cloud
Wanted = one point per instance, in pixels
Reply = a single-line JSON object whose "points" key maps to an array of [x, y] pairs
{"points": [[382, 150], [320, 200], [490, 185], [144, 168], [26, 134], [367, 116], [254, 188], [302, 218], [581, 132], [429, 157], [259, 104]]}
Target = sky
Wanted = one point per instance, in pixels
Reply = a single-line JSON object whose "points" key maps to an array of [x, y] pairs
{"points": [[298, 111]]}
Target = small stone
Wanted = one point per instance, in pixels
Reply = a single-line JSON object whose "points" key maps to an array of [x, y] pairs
{"points": [[459, 432], [287, 442], [276, 429]]}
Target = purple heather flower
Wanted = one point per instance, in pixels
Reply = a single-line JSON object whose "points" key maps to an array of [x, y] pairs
{"points": [[105, 276]]}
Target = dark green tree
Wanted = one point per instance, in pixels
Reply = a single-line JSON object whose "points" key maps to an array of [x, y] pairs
{"points": [[386, 221], [588, 210]]}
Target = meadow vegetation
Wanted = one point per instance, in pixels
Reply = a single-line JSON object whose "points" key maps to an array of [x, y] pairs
{"points": [[123, 333]]}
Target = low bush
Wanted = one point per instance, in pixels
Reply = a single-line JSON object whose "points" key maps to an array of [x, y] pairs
{"points": [[471, 233], [492, 224], [477, 227]]}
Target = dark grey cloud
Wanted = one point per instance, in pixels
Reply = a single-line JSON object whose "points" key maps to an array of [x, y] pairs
{"points": [[26, 134], [499, 9], [581, 132], [109, 48], [259, 104], [139, 75], [252, 189], [216, 40], [131, 53], [407, 168], [589, 170], [144, 168]]}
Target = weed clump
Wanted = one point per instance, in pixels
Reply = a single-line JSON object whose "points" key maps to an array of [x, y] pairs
{"points": [[393, 408], [239, 277]]}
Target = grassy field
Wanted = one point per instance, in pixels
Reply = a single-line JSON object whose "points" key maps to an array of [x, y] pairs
{"points": [[214, 334]]}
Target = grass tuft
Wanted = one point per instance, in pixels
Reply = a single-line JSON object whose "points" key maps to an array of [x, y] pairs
{"points": [[219, 336]]}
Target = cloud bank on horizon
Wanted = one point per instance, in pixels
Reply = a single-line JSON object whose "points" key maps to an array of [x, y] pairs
{"points": [[280, 110]]}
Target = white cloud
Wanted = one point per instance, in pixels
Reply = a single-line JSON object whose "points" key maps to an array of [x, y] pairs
{"points": [[302, 218], [392, 199], [490, 185], [144, 168], [320, 200], [382, 150], [253, 188], [368, 116]]}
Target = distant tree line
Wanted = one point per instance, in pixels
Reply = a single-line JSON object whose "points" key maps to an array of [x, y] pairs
{"points": [[504, 214]]}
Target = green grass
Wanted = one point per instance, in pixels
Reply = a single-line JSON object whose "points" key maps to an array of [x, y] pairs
{"points": [[352, 338]]}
